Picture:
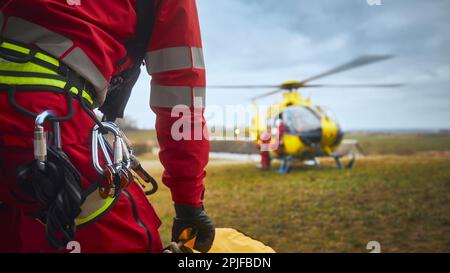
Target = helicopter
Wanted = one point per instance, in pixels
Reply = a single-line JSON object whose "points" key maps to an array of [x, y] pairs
{"points": [[295, 127]]}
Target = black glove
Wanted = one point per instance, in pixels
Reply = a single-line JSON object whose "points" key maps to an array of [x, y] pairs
{"points": [[196, 219]]}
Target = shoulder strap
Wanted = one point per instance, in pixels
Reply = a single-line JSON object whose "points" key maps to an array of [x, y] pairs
{"points": [[121, 85], [137, 46]]}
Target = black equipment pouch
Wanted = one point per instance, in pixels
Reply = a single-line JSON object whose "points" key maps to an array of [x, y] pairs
{"points": [[121, 85]]}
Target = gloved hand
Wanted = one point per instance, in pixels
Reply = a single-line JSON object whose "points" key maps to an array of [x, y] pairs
{"points": [[196, 219]]}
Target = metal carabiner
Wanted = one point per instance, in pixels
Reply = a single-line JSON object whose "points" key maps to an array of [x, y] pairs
{"points": [[40, 141], [116, 151], [135, 165]]}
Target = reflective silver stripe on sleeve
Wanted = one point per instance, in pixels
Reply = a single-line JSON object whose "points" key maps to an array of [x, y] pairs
{"points": [[1, 21], [80, 62], [174, 58], [168, 59], [197, 58], [28, 33], [170, 96]]}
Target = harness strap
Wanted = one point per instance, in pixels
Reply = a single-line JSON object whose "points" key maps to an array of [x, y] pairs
{"points": [[94, 207], [24, 66], [27, 69]]}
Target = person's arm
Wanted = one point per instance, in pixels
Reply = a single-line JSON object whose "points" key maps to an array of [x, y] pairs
{"points": [[175, 62]]}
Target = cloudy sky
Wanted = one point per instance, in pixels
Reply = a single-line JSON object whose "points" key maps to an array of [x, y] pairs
{"points": [[269, 41]]}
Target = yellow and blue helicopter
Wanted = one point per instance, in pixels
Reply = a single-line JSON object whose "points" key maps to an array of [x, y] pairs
{"points": [[295, 127]]}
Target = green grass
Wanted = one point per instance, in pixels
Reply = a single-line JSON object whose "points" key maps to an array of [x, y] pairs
{"points": [[401, 201], [141, 135], [404, 144], [372, 144]]}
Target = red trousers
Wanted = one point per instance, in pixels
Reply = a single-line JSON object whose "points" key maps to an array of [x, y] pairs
{"points": [[130, 226]]}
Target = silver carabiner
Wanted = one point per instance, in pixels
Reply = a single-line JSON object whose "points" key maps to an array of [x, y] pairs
{"points": [[114, 155], [40, 141], [127, 151]]}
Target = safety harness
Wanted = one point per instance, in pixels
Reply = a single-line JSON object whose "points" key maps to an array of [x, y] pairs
{"points": [[29, 69], [51, 181]]}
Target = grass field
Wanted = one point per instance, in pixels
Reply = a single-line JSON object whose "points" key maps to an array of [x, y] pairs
{"points": [[401, 144], [372, 144], [401, 201], [141, 135]]}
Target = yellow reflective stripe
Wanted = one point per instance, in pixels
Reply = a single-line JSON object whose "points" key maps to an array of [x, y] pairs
{"points": [[25, 50], [85, 94], [108, 202], [6, 65], [13, 80], [47, 59], [15, 48]]}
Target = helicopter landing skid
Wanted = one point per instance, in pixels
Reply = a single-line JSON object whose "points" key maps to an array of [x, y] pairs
{"points": [[341, 166], [286, 165]]}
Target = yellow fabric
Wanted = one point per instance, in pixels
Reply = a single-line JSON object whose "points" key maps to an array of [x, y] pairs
{"points": [[108, 203], [229, 240]]}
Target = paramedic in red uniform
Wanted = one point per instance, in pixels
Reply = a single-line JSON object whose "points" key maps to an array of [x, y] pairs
{"points": [[89, 37]]}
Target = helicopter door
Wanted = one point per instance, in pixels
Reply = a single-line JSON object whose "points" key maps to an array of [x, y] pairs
{"points": [[303, 122]]}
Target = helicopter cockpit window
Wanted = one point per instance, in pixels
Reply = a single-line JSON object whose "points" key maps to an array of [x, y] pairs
{"points": [[300, 119], [330, 114]]}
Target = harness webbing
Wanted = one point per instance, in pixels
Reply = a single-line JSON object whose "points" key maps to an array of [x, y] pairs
{"points": [[54, 185], [27, 68]]}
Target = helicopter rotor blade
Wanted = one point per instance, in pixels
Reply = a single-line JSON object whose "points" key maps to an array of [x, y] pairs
{"points": [[266, 94], [242, 86], [393, 85], [358, 62]]}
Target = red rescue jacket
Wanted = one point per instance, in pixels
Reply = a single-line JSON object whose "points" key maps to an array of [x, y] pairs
{"points": [[90, 37]]}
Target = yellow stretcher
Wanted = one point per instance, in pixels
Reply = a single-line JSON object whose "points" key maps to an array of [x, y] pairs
{"points": [[228, 240]]}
